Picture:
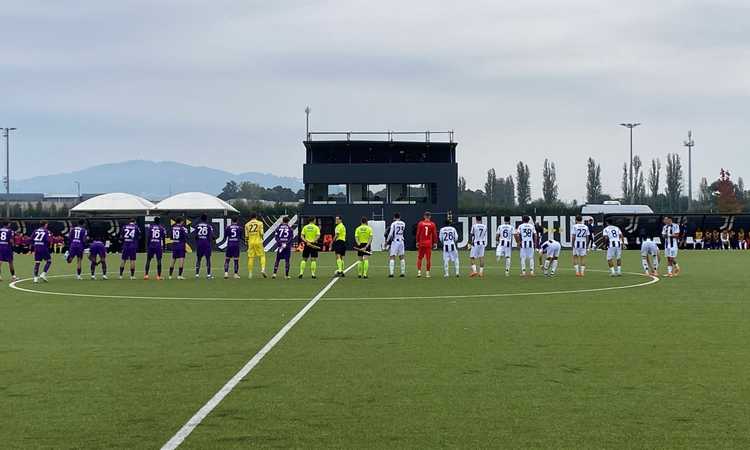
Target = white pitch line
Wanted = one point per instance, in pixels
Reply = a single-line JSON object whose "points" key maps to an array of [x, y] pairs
{"points": [[194, 421], [14, 285]]}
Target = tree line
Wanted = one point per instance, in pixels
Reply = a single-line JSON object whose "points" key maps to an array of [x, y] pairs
{"points": [[663, 190]]}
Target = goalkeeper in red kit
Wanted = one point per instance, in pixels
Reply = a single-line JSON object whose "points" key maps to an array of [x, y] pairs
{"points": [[427, 238]]}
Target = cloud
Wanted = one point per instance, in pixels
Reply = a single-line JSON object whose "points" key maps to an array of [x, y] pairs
{"points": [[224, 84]]}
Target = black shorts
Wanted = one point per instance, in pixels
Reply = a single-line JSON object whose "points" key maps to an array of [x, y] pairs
{"points": [[361, 253], [339, 247], [309, 252]]}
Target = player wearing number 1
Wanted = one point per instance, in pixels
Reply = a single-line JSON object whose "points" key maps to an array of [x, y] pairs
{"points": [[254, 236], [427, 238], [156, 237], [6, 249], [130, 235], [478, 239], [233, 232], [395, 242], [363, 239]]}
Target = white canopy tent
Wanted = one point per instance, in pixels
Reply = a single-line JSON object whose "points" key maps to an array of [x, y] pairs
{"points": [[115, 203], [195, 202]]}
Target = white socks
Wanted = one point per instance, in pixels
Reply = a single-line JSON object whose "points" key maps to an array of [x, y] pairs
{"points": [[391, 266]]}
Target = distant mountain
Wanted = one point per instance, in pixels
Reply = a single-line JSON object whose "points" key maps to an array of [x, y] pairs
{"points": [[149, 179]]}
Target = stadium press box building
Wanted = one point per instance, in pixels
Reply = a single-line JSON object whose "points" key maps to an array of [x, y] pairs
{"points": [[377, 178]]}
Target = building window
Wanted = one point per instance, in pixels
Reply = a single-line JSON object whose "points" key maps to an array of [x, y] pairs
{"points": [[337, 193], [409, 194], [399, 193], [419, 193], [368, 193], [326, 194]]}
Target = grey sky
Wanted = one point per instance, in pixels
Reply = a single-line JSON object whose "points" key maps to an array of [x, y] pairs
{"points": [[224, 84]]}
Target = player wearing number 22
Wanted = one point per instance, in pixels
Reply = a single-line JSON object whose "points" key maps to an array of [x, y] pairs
{"points": [[427, 238], [42, 239], [233, 232], [130, 235], [254, 236], [363, 239], [449, 236]]}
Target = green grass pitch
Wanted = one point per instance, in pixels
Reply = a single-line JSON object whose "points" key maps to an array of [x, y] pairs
{"points": [[387, 363]]}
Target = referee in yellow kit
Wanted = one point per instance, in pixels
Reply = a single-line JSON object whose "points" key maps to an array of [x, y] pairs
{"points": [[363, 240]]}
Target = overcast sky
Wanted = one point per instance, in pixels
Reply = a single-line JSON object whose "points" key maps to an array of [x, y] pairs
{"points": [[224, 83]]}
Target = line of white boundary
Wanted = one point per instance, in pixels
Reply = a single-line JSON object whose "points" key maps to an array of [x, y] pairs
{"points": [[652, 280], [194, 421]]}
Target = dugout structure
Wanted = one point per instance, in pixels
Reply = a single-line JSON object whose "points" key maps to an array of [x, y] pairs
{"points": [[356, 174]]}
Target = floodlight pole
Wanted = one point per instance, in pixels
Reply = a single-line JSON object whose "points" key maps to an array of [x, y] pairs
{"points": [[630, 126], [307, 123], [690, 143], [6, 134]]}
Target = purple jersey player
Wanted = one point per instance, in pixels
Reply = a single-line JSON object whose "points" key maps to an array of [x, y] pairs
{"points": [[41, 239], [155, 240], [284, 236], [179, 242], [204, 237], [130, 235], [234, 238], [76, 243], [98, 255], [6, 249]]}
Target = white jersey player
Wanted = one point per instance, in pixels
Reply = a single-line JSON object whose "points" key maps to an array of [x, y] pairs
{"points": [[504, 240], [670, 234], [649, 256], [478, 239], [396, 245], [549, 253], [613, 236], [579, 239], [527, 238], [449, 238]]}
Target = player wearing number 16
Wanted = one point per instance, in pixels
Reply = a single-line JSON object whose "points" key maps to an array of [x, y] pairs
{"points": [[156, 237], [254, 236]]}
